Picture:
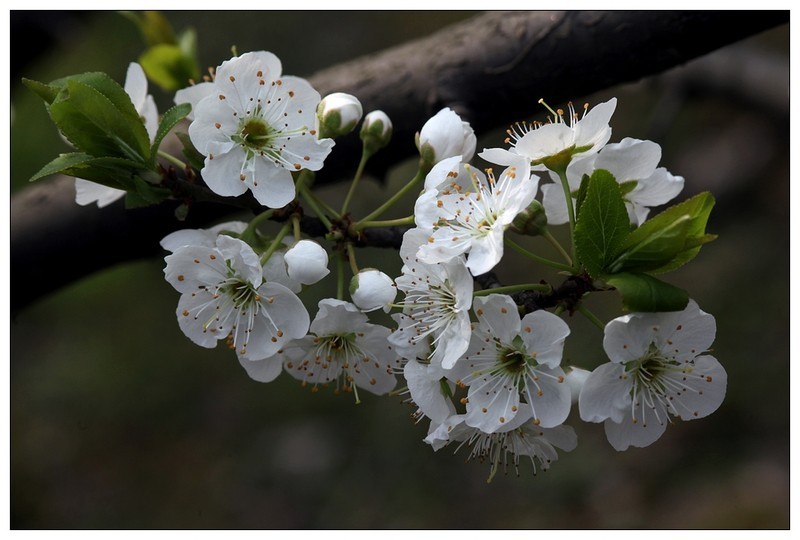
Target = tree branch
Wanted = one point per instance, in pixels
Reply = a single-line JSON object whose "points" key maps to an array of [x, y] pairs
{"points": [[488, 69]]}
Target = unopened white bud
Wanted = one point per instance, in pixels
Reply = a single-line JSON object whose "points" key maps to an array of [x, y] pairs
{"points": [[337, 115], [376, 131], [445, 135], [371, 289], [307, 262]]}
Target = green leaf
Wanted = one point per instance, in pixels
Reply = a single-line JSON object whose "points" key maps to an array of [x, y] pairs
{"points": [[193, 156], [168, 121], [143, 193], [45, 91], [642, 292], [98, 125], [603, 225], [168, 66], [62, 163], [668, 240], [581, 196]]}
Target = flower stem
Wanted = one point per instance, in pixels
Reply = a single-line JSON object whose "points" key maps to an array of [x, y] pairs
{"points": [[540, 287], [328, 209], [351, 256], [311, 201], [273, 247], [556, 244], [364, 158], [172, 159], [394, 198], [296, 227], [522, 251], [591, 316], [340, 277], [562, 174], [408, 220]]}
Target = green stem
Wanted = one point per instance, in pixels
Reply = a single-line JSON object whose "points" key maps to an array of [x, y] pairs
{"points": [[522, 251], [340, 277], [562, 174], [323, 205], [540, 287], [351, 256], [591, 316], [364, 158], [303, 191], [278, 242], [556, 244], [394, 198], [408, 220], [172, 159], [296, 227], [249, 235]]}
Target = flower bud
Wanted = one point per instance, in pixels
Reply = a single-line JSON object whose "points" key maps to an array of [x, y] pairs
{"points": [[445, 135], [376, 131], [576, 377], [337, 115], [307, 262], [371, 289], [531, 221]]}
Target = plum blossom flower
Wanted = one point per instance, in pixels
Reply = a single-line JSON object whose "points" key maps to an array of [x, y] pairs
{"points": [[470, 215], [633, 163], [658, 369], [445, 135], [224, 296], [520, 437], [88, 192], [556, 143], [510, 359], [255, 128], [345, 349], [436, 304]]}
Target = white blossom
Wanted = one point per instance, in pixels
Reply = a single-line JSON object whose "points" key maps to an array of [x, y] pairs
{"points": [[565, 135], [224, 296], [469, 216], [520, 437], [445, 135], [88, 192], [633, 163], [255, 128], [658, 370], [344, 349], [436, 303], [513, 364]]}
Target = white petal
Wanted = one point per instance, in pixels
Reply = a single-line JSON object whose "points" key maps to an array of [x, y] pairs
{"points": [[555, 206], [593, 129], [240, 79], [452, 343], [499, 156], [200, 319], [272, 186], [630, 159], [644, 432], [492, 401], [486, 252], [136, 85], [698, 392], [606, 394], [193, 95], [87, 192], [499, 315], [627, 338], [548, 140], [426, 391], [657, 189], [375, 371], [275, 271], [243, 260], [193, 266], [337, 317], [549, 397], [266, 370], [222, 172], [544, 334]]}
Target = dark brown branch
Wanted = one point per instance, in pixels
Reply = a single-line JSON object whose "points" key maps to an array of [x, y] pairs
{"points": [[491, 70]]}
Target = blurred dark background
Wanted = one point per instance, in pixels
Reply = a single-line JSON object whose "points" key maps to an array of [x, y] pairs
{"points": [[118, 421]]}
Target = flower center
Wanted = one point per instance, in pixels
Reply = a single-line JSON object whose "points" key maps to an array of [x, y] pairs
{"points": [[254, 133]]}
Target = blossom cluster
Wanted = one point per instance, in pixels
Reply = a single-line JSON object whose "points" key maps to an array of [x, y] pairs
{"points": [[479, 367]]}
